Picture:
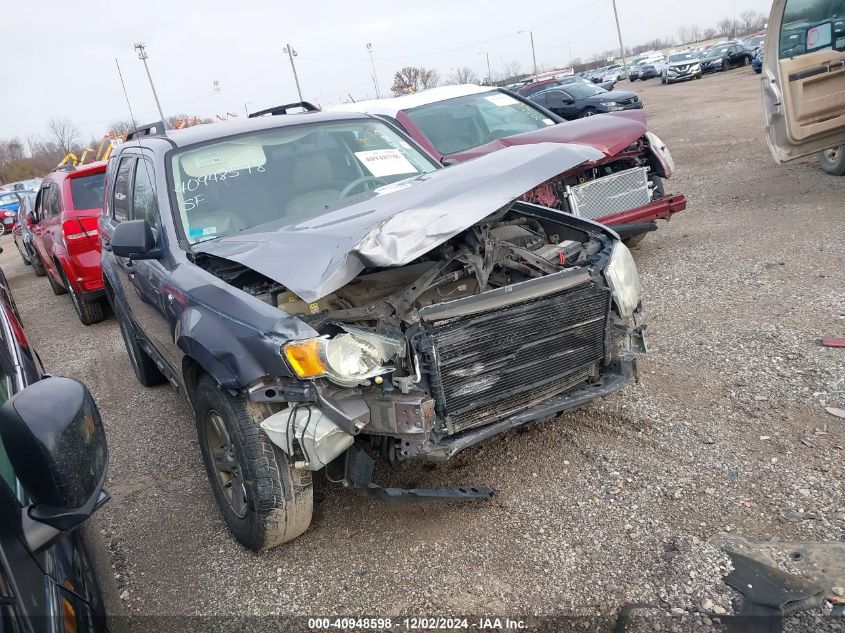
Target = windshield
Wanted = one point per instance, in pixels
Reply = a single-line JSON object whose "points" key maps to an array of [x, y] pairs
{"points": [[87, 191], [582, 91], [288, 174], [682, 57], [717, 52], [460, 124]]}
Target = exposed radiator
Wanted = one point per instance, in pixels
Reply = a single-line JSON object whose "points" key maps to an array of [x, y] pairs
{"points": [[488, 366], [610, 194]]}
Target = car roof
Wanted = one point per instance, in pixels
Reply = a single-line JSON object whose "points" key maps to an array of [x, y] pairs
{"points": [[392, 105], [60, 173], [222, 129]]}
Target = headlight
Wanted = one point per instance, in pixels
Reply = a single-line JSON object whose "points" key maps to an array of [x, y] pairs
{"points": [[347, 359], [9, 214], [608, 104], [623, 279], [660, 148]]}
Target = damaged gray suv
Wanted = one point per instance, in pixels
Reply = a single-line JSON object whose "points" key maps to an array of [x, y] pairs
{"points": [[325, 294]]}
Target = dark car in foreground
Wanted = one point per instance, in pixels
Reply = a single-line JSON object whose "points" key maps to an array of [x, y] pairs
{"points": [[325, 293], [680, 67], [459, 123], [725, 56], [55, 576], [577, 101]]}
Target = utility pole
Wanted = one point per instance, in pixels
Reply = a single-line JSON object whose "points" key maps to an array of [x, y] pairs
{"points": [[373, 65], [142, 55], [734, 6], [489, 72], [533, 55], [246, 110], [292, 53], [570, 51], [619, 33]]}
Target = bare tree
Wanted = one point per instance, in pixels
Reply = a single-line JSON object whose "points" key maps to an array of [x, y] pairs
{"points": [[725, 26], [684, 34], [709, 33], [511, 69], [752, 21], [64, 133], [413, 79], [120, 128], [463, 75]]}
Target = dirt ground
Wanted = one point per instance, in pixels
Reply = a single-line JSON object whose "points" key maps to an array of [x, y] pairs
{"points": [[727, 430]]}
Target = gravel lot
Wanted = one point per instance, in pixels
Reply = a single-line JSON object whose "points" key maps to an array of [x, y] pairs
{"points": [[727, 430]]}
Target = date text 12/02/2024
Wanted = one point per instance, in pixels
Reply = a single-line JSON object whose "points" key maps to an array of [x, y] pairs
{"points": [[418, 624]]}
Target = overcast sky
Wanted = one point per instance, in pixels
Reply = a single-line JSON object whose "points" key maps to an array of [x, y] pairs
{"points": [[63, 65]]}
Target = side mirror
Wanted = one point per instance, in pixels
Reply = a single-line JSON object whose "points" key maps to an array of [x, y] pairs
{"points": [[56, 443], [567, 101], [134, 239], [449, 161], [31, 217]]}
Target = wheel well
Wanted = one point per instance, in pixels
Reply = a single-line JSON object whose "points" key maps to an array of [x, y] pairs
{"points": [[192, 371]]}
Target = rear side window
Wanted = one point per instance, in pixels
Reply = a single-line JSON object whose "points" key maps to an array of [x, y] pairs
{"points": [[87, 191], [120, 206], [52, 203]]}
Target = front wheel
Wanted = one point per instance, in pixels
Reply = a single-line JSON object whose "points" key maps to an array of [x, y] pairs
{"points": [[745, 61], [38, 266], [24, 255], [587, 112], [264, 500], [698, 76], [833, 160]]}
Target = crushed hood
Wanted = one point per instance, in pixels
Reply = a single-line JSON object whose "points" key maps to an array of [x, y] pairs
{"points": [[609, 133], [398, 223]]}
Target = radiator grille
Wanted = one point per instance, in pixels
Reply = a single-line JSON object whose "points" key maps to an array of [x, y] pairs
{"points": [[487, 366], [611, 194]]}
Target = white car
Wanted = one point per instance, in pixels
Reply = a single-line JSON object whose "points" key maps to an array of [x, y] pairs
{"points": [[802, 79]]}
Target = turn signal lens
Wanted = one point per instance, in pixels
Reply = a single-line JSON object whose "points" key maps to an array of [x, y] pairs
{"points": [[304, 358]]}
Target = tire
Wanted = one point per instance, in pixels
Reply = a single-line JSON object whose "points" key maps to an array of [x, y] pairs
{"points": [[725, 65], [663, 80], [264, 500], [57, 288], [699, 75], [587, 112], [89, 312], [145, 369], [633, 240], [37, 266], [745, 61], [25, 258], [833, 160]]}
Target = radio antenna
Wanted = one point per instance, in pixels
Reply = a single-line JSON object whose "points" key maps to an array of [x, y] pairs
{"points": [[125, 94]]}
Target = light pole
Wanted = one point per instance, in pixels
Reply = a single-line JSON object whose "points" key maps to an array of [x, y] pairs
{"points": [[373, 65], [734, 7], [619, 33], [292, 53], [570, 51], [489, 72], [533, 55], [142, 55]]}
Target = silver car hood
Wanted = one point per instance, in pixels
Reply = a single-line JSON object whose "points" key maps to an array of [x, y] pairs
{"points": [[398, 223]]}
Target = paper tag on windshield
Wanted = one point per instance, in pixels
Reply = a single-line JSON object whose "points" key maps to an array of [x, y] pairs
{"points": [[385, 162], [501, 99]]}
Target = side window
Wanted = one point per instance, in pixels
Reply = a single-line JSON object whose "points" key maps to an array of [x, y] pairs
{"points": [[812, 25], [55, 200], [554, 97], [49, 203], [39, 202], [144, 205], [121, 204]]}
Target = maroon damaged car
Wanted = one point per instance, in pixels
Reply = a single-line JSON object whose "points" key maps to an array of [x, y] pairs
{"points": [[624, 190]]}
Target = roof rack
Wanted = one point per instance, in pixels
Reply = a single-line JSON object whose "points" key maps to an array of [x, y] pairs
{"points": [[153, 129], [283, 109]]}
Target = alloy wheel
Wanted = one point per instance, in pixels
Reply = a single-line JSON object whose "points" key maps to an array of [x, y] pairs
{"points": [[225, 463]]}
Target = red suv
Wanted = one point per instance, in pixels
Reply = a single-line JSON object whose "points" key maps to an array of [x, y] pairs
{"points": [[66, 241]]}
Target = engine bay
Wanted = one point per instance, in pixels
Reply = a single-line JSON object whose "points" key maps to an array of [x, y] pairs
{"points": [[504, 249]]}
